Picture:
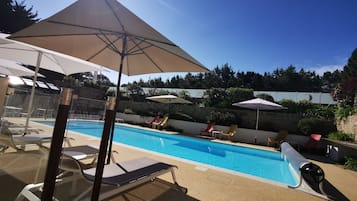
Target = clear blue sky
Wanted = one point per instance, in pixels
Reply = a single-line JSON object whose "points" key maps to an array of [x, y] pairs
{"points": [[249, 35]]}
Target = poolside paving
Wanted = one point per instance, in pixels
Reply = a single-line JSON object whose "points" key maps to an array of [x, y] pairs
{"points": [[203, 182]]}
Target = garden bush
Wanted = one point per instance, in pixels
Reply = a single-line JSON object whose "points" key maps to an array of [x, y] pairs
{"points": [[343, 112], [351, 163], [320, 112], [338, 135], [224, 118], [314, 125]]}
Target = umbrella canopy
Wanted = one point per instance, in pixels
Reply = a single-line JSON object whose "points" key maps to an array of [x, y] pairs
{"points": [[97, 31], [259, 104], [169, 99], [106, 33], [12, 68], [50, 60], [40, 57]]}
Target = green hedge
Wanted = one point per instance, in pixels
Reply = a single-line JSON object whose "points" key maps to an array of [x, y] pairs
{"points": [[314, 125], [338, 135], [351, 163]]}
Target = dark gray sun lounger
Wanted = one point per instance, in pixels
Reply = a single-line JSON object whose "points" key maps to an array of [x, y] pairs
{"points": [[121, 176]]}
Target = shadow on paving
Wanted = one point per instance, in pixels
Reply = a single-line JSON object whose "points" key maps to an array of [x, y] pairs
{"points": [[19, 169], [10, 186], [326, 188], [332, 192]]}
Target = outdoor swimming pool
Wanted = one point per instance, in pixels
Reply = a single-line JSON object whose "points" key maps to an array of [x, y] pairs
{"points": [[264, 164]]}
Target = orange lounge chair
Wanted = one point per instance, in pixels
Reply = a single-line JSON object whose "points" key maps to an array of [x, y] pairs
{"points": [[161, 124], [275, 142], [230, 133]]}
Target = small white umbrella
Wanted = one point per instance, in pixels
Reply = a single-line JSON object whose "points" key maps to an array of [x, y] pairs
{"points": [[11, 68], [259, 104], [168, 99]]}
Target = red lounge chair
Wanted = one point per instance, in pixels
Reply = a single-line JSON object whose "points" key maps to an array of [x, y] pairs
{"points": [[208, 131], [150, 122], [313, 144]]}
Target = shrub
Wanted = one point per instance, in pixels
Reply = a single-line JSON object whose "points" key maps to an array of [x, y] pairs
{"points": [[224, 118], [338, 135], [299, 107], [264, 96], [321, 112], [351, 163], [314, 125], [343, 112]]}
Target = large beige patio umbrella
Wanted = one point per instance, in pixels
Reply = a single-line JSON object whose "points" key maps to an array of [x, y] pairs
{"points": [[106, 33], [41, 58], [259, 104]]}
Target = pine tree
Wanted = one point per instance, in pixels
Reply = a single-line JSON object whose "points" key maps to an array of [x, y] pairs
{"points": [[15, 16]]}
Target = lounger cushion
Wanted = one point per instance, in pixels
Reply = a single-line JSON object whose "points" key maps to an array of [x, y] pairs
{"points": [[126, 172]]}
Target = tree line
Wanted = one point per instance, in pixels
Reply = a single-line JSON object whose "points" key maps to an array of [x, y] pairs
{"points": [[288, 79]]}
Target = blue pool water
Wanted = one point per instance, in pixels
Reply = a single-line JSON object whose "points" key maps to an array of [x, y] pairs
{"points": [[265, 164]]}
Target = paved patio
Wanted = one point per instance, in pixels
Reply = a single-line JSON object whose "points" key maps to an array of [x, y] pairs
{"points": [[203, 182]]}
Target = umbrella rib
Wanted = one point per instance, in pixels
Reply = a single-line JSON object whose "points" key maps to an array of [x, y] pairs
{"points": [[157, 66], [108, 45], [140, 49], [98, 29], [114, 13]]}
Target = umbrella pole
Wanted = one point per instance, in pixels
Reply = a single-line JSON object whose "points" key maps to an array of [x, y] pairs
{"points": [[123, 54], [257, 121], [107, 137], [29, 108], [56, 145], [109, 117]]}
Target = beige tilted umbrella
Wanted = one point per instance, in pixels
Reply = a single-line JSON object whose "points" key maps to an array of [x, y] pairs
{"points": [[106, 33], [259, 104]]}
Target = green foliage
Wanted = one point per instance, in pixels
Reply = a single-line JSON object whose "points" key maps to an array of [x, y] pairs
{"points": [[265, 97], [224, 118], [338, 135], [224, 77], [320, 112], [350, 70], [314, 125], [342, 113], [238, 94], [224, 98], [297, 107], [15, 16], [351, 163], [345, 93]]}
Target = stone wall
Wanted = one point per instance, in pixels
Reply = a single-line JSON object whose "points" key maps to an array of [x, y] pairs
{"points": [[348, 125]]}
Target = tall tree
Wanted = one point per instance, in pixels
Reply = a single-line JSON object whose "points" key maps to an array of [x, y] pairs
{"points": [[350, 70], [15, 16]]}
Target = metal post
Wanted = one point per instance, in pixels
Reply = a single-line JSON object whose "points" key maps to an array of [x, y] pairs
{"points": [[109, 117], [29, 108], [123, 55], [56, 145]]}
